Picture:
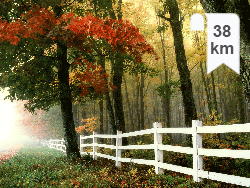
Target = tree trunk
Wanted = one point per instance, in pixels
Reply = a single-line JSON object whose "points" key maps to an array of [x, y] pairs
{"points": [[222, 97], [108, 100], [117, 94], [138, 118], [166, 98], [117, 81], [201, 109], [245, 77], [186, 84], [240, 95], [130, 113], [101, 116], [215, 104], [76, 114], [154, 104], [205, 83], [101, 119], [142, 102], [72, 149]]}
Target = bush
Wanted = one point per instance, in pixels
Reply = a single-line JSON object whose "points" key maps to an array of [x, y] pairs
{"points": [[235, 141]]}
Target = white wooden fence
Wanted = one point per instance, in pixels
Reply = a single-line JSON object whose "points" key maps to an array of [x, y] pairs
{"points": [[197, 151], [55, 143]]}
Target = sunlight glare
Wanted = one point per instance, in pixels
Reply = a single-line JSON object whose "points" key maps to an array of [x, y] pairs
{"points": [[10, 134]]}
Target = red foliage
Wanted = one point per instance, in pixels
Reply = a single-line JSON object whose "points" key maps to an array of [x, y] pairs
{"points": [[39, 21], [74, 30], [93, 76], [10, 31], [124, 37]]}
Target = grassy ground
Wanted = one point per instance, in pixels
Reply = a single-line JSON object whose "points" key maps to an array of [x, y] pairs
{"points": [[37, 166]]}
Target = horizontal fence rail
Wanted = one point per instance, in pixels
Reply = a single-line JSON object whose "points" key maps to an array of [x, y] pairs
{"points": [[56, 144], [197, 151]]}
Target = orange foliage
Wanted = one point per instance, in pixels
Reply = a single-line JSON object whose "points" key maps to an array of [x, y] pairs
{"points": [[90, 125]]}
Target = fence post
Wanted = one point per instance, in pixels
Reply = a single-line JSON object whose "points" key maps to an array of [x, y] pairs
{"points": [[197, 143], [158, 153], [94, 146], [50, 143], [63, 145], [118, 151], [54, 145]]}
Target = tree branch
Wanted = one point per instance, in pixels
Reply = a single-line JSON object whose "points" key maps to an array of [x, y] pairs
{"points": [[164, 17], [194, 66]]}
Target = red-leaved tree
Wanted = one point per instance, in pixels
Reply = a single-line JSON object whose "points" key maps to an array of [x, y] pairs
{"points": [[41, 41]]}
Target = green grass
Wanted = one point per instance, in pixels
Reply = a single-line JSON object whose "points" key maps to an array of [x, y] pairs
{"points": [[37, 166]]}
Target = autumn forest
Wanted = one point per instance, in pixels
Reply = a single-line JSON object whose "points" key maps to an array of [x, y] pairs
{"points": [[117, 65]]}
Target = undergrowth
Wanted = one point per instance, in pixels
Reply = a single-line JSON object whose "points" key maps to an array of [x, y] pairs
{"points": [[38, 166]]}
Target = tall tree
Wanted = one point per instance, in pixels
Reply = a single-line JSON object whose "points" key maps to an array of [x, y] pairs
{"points": [[128, 102], [104, 9], [205, 79], [166, 86], [241, 105], [142, 112], [171, 6], [205, 82], [215, 104], [118, 71]]}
